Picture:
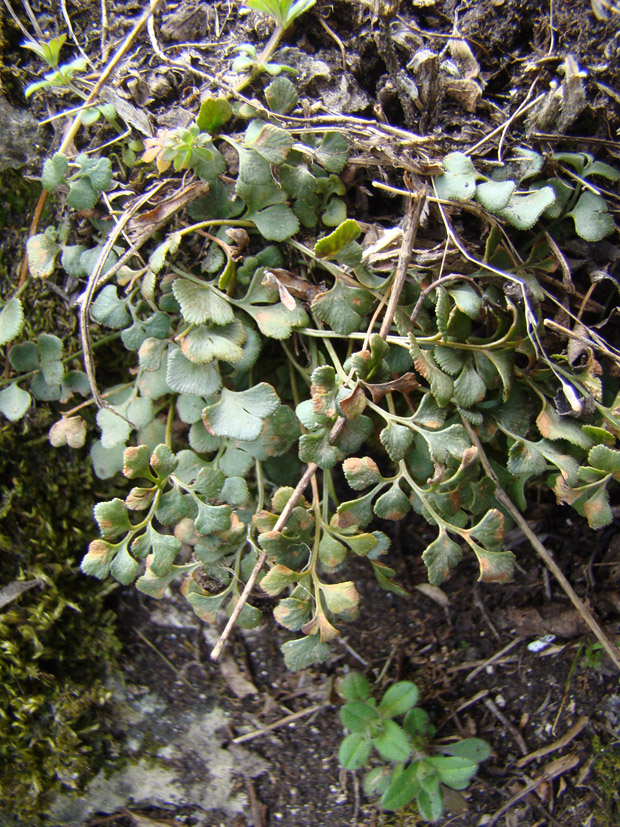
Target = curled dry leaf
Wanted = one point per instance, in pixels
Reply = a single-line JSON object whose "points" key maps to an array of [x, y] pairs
{"points": [[464, 58], [239, 238], [434, 593], [70, 430], [381, 247], [404, 384], [465, 91]]}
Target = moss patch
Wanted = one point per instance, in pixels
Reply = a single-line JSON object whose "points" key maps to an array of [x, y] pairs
{"points": [[607, 780], [55, 641]]}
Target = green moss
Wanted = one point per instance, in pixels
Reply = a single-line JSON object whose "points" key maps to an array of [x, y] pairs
{"points": [[606, 773], [55, 641], [16, 197]]}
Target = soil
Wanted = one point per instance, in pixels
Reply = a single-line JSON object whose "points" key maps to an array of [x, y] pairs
{"points": [[466, 645]]}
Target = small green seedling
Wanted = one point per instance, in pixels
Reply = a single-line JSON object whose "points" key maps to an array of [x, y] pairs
{"points": [[283, 12], [60, 76], [418, 769], [248, 61], [184, 148], [48, 52]]}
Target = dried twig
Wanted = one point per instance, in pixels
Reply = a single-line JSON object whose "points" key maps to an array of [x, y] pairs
{"points": [[497, 656], [490, 704], [105, 49], [546, 555], [473, 700], [478, 602], [259, 810], [168, 662], [13, 590], [334, 36], [524, 107], [67, 19], [94, 283], [568, 736], [414, 213], [551, 771], [249, 736]]}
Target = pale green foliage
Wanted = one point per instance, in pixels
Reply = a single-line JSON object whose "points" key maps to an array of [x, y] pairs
{"points": [[11, 320], [557, 198], [249, 351]]}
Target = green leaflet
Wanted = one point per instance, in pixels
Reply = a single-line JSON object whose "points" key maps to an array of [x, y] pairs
{"points": [[240, 415], [246, 346], [342, 307], [440, 557]]}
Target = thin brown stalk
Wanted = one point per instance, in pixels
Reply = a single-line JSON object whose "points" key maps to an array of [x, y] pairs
{"points": [[551, 771], [249, 736], [414, 213], [543, 552]]}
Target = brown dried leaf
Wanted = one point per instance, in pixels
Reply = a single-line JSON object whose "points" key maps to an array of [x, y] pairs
{"points": [[237, 679], [353, 405], [404, 384], [160, 214], [464, 58], [465, 91], [70, 430]]}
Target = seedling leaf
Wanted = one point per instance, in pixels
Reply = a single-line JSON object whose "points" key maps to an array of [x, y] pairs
{"points": [[402, 790], [184, 376], [275, 223], [361, 473], [393, 743], [494, 195], [458, 183], [304, 652], [272, 143], [112, 518], [281, 95], [354, 687], [523, 211], [357, 715], [398, 699], [340, 597], [201, 304], [214, 113], [473, 749], [453, 771], [42, 250], [354, 751], [109, 310], [329, 246]]}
